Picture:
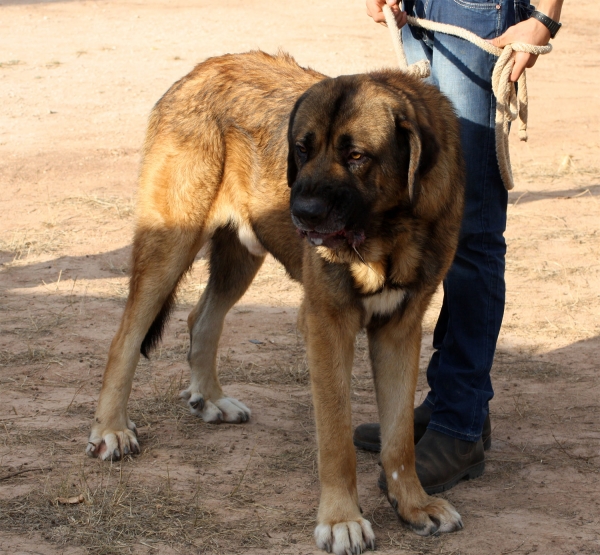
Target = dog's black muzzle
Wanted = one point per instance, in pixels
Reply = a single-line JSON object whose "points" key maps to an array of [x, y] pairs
{"points": [[327, 215]]}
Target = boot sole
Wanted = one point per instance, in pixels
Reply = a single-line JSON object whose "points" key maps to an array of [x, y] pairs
{"points": [[365, 446], [376, 447], [470, 473]]}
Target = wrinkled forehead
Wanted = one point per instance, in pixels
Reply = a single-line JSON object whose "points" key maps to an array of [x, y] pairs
{"points": [[348, 110]]}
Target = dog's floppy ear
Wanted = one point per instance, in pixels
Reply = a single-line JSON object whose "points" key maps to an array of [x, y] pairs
{"points": [[424, 149], [292, 168]]}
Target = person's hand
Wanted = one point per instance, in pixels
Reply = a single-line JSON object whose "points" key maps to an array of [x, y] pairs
{"points": [[530, 31], [375, 10]]}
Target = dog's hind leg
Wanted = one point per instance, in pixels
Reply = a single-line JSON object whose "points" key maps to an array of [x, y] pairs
{"points": [[160, 257], [232, 269]]}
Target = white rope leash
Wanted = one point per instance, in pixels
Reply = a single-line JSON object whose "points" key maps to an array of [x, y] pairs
{"points": [[509, 105]]}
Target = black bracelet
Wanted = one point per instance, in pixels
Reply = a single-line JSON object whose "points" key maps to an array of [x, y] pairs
{"points": [[553, 26]]}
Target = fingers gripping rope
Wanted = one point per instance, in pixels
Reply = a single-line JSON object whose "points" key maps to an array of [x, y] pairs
{"points": [[509, 105]]}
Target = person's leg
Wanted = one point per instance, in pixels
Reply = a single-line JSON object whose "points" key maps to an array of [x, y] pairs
{"points": [[469, 322]]}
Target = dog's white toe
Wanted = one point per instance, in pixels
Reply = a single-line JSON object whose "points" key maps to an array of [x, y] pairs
{"points": [[111, 445], [225, 409], [233, 410], [345, 538]]}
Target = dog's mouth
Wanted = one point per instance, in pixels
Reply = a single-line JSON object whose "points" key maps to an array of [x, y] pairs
{"points": [[333, 240]]}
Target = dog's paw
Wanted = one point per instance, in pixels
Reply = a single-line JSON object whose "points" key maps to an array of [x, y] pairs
{"points": [[345, 538], [436, 516], [111, 445], [225, 409]]}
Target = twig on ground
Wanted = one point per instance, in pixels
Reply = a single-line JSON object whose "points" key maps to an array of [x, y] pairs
{"points": [[513, 550], [243, 473], [13, 474], [73, 399], [576, 457]]}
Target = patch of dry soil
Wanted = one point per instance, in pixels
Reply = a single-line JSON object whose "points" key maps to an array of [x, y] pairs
{"points": [[77, 80]]}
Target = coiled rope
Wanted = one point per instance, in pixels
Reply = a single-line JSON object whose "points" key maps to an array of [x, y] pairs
{"points": [[509, 104]]}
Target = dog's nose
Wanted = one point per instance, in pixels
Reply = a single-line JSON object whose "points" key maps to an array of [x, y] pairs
{"points": [[310, 211]]}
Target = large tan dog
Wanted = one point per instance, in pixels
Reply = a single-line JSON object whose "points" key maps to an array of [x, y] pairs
{"points": [[370, 167]]}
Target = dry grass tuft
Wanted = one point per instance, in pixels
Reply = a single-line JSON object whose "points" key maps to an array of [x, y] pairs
{"points": [[61, 228], [123, 508], [121, 207], [288, 367], [11, 63], [23, 244], [514, 366], [118, 511], [162, 405]]}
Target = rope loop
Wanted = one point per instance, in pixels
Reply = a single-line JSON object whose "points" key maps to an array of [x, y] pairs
{"points": [[510, 106]]}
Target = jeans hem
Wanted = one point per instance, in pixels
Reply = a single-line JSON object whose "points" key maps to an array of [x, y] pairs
{"points": [[453, 433], [429, 403]]}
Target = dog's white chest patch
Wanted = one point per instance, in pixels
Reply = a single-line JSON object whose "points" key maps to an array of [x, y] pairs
{"points": [[383, 303], [250, 241]]}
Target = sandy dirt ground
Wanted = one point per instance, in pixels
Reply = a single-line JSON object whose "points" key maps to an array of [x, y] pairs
{"points": [[77, 81]]}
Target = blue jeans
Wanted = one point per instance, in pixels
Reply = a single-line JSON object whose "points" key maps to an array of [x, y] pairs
{"points": [[467, 329]]}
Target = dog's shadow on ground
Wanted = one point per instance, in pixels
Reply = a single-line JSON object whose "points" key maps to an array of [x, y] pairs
{"points": [[524, 197], [88, 266]]}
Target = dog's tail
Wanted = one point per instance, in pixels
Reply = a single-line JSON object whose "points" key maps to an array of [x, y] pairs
{"points": [[169, 293], [154, 334]]}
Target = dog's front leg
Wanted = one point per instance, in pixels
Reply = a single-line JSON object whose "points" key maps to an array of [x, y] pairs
{"points": [[394, 346], [330, 333]]}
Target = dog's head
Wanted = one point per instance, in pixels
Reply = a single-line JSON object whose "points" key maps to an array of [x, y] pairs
{"points": [[359, 147]]}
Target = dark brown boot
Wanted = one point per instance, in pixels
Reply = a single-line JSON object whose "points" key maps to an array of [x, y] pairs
{"points": [[367, 436], [442, 461]]}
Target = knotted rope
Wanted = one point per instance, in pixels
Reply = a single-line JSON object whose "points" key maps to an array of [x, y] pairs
{"points": [[509, 104]]}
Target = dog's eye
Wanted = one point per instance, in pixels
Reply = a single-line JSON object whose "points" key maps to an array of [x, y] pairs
{"points": [[356, 158], [300, 148]]}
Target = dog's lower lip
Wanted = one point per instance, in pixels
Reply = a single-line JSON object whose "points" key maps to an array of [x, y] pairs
{"points": [[332, 239], [327, 239], [323, 235]]}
